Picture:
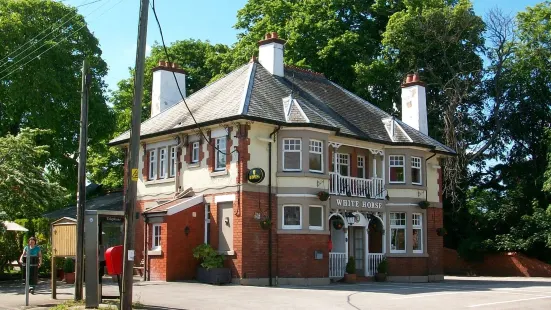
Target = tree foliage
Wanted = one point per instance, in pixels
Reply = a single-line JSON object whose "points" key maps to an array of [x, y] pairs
{"points": [[25, 190], [45, 93]]}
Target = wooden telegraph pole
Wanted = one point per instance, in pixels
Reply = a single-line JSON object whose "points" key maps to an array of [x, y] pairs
{"points": [[81, 192], [132, 173]]}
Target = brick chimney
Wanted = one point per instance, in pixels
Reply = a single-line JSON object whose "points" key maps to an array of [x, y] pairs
{"points": [[164, 92], [414, 103], [270, 53]]}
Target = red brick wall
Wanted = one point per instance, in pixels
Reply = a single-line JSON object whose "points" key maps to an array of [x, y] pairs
{"points": [[296, 256], [158, 263], [407, 266], [435, 243], [139, 233], [181, 263], [354, 162], [243, 153]]}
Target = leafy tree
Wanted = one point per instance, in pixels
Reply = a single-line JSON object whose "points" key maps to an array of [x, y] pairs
{"points": [[45, 93], [25, 190]]}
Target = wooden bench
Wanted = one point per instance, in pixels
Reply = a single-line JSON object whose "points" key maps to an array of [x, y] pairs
{"points": [[140, 269]]}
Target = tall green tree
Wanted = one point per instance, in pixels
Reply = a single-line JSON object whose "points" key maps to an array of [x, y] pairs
{"points": [[45, 92]]}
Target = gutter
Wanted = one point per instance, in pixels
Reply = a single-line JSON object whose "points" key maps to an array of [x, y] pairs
{"points": [[272, 136]]}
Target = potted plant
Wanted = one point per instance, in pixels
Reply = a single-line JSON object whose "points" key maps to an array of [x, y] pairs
{"points": [[69, 270], [265, 223], [350, 275], [59, 266], [382, 269], [423, 204], [338, 223], [441, 231], [323, 195], [211, 269]]}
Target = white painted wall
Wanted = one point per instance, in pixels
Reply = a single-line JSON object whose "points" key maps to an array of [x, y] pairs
{"points": [[259, 150], [432, 180], [164, 92], [414, 107], [270, 56]]}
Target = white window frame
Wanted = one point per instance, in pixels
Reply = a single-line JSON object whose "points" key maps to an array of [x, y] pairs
{"points": [[322, 218], [362, 166], [417, 224], [152, 153], [172, 161], [320, 152], [156, 238], [195, 152], [220, 152], [163, 163], [283, 226], [394, 225], [340, 157], [416, 163], [391, 163], [292, 151]]}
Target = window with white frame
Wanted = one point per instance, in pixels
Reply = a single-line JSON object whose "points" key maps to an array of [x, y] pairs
{"points": [[152, 165], [316, 156], [292, 217], [292, 154], [195, 152], [172, 167], [156, 237], [417, 234], [396, 169], [343, 164], [416, 171], [315, 217], [361, 167], [220, 160], [162, 163], [397, 232]]}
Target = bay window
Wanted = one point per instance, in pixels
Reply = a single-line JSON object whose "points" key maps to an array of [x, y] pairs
{"points": [[292, 154], [416, 171], [315, 217], [397, 232], [292, 217], [417, 233], [316, 156], [396, 169]]}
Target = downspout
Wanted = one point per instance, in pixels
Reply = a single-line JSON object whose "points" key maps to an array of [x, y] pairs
{"points": [[145, 261], [177, 168], [272, 136]]}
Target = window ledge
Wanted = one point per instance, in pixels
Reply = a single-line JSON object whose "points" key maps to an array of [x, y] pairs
{"points": [[194, 165], [219, 173], [160, 181], [407, 255], [154, 252], [232, 252], [302, 174], [302, 232]]}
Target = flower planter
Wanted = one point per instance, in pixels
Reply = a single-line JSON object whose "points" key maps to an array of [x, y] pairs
{"points": [[380, 277], [69, 277], [60, 275], [350, 278], [214, 275], [441, 231]]}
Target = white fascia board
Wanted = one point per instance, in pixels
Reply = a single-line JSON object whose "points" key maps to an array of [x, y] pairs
{"points": [[224, 198], [193, 201]]}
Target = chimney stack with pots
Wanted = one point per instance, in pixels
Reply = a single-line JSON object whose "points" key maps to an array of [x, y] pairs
{"points": [[164, 92], [270, 53], [414, 103]]}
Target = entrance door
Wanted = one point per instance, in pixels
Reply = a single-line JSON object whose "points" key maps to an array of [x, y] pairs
{"points": [[359, 249], [225, 224]]}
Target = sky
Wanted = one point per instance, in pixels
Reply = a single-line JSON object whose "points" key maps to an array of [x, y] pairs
{"points": [[115, 24]]}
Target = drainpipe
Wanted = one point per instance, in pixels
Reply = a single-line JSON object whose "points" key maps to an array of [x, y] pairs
{"points": [[145, 232], [272, 136], [177, 163]]}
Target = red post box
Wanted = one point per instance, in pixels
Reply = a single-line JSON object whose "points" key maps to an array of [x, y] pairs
{"points": [[113, 260]]}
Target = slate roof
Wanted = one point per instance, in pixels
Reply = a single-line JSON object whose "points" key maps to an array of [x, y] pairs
{"points": [[111, 201], [251, 92]]}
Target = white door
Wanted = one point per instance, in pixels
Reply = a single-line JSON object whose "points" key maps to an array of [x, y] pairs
{"points": [[359, 249]]}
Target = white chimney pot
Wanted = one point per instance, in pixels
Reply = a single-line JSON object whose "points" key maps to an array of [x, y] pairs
{"points": [[164, 92]]}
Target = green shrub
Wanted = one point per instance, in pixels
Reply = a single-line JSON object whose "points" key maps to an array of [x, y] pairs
{"points": [[69, 265], [208, 256], [351, 265], [383, 266]]}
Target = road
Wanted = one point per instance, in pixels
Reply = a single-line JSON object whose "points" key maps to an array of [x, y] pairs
{"points": [[453, 293]]}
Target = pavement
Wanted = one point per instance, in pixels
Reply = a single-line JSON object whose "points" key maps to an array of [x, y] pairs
{"points": [[453, 293]]}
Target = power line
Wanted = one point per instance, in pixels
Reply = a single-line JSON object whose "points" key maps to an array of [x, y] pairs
{"points": [[65, 38], [178, 86], [9, 56]]}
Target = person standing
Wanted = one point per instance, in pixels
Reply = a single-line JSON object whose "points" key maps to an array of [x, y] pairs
{"points": [[34, 252]]}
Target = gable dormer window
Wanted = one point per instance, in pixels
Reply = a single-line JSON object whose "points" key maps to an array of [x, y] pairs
{"points": [[292, 154], [152, 165]]}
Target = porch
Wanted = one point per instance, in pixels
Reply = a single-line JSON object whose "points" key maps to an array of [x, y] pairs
{"points": [[359, 235]]}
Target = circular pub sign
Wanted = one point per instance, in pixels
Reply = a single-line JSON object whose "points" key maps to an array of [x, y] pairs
{"points": [[255, 175]]}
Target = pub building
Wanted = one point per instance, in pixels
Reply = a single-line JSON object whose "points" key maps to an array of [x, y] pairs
{"points": [[288, 175]]}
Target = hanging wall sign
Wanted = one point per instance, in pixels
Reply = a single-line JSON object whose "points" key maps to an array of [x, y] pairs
{"points": [[255, 175]]}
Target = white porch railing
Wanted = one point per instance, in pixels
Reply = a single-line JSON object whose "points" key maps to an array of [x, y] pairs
{"points": [[373, 260], [358, 187], [337, 265]]}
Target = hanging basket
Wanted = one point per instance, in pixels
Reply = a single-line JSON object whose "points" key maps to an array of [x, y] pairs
{"points": [[265, 224], [338, 223], [441, 231], [423, 204], [323, 195]]}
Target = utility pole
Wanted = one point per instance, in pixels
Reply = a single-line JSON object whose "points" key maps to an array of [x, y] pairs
{"points": [[81, 192], [132, 173]]}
